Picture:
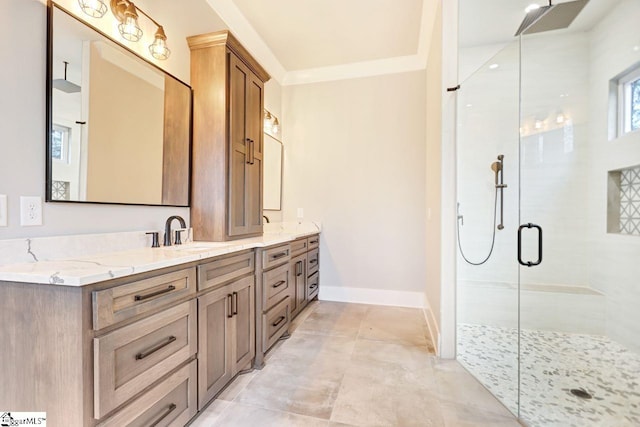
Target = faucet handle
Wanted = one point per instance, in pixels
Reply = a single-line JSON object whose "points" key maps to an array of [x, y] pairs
{"points": [[178, 240], [154, 239]]}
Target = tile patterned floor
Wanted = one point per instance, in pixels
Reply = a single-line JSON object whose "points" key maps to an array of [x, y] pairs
{"points": [[553, 363], [356, 365]]}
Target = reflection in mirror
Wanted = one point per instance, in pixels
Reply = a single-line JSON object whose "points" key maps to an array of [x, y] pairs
{"points": [[120, 127], [272, 173]]}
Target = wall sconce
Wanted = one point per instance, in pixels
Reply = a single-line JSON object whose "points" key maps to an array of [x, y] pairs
{"points": [[127, 14], [271, 123]]}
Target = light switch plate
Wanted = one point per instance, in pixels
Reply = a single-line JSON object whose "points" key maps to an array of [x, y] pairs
{"points": [[3, 210], [30, 210]]}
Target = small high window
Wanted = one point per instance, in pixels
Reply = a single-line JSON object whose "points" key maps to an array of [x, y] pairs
{"points": [[629, 101]]}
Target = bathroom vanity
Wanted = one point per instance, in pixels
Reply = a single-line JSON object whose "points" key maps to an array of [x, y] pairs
{"points": [[145, 336]]}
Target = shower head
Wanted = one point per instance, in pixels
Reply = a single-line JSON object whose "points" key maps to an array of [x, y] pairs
{"points": [[496, 167], [64, 84], [551, 17]]}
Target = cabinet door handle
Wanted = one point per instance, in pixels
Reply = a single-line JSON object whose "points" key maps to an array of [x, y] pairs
{"points": [[155, 348], [247, 151], [235, 303], [277, 322], [299, 268], [230, 301], [278, 256], [280, 283], [154, 294], [166, 413]]}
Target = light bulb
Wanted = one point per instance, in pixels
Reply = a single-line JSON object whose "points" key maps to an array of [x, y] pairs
{"points": [[129, 28], [158, 48]]}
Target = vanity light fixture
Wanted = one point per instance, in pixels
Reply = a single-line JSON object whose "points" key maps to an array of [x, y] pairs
{"points": [[127, 15], [93, 8], [128, 27], [271, 123]]}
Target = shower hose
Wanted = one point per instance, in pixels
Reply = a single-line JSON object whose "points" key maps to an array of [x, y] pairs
{"points": [[493, 238]]}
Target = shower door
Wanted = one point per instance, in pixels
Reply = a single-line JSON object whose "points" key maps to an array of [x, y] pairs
{"points": [[579, 246], [487, 276]]}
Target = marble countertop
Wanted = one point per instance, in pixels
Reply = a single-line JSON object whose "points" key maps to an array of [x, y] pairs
{"points": [[97, 267]]}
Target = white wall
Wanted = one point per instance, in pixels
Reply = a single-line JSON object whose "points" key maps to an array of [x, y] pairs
{"points": [[355, 161], [22, 111]]}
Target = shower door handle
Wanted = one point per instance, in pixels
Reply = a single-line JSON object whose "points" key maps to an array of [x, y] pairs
{"points": [[539, 260]]}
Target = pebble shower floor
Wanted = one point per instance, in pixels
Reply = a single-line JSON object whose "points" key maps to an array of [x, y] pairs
{"points": [[554, 363]]}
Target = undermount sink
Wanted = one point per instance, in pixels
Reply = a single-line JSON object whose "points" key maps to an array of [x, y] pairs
{"points": [[198, 246]]}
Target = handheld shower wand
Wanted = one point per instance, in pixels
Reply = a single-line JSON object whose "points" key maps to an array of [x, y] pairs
{"points": [[498, 169]]}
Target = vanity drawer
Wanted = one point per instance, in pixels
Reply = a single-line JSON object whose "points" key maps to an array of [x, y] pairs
{"points": [[275, 285], [119, 303], [275, 256], [221, 271], [131, 358], [299, 246], [275, 323], [313, 242], [313, 261], [171, 403], [313, 286]]}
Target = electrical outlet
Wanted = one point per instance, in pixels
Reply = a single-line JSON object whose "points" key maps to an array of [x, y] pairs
{"points": [[3, 210], [30, 210]]}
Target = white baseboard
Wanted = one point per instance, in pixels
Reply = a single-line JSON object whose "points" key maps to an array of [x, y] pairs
{"points": [[432, 325], [372, 296]]}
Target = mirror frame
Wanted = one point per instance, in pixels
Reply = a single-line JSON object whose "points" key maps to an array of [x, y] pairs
{"points": [[51, 5]]}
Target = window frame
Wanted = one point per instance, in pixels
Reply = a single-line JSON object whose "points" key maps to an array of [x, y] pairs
{"points": [[624, 100]]}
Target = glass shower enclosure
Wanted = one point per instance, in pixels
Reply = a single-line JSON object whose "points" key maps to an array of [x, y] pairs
{"points": [[550, 322]]}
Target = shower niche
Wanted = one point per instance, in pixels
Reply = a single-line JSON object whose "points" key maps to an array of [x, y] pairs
{"points": [[623, 201]]}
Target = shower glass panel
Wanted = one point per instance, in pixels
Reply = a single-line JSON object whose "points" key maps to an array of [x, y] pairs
{"points": [[487, 296], [550, 323], [580, 317]]}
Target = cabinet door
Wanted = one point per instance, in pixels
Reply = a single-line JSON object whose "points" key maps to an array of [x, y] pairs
{"points": [[244, 322], [254, 122], [239, 147], [298, 283], [215, 364]]}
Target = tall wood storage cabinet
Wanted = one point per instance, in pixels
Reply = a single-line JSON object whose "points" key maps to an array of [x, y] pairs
{"points": [[228, 101]]}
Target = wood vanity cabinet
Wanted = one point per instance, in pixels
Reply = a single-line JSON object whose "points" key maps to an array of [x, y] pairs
{"points": [[304, 272], [226, 323], [273, 294], [228, 100]]}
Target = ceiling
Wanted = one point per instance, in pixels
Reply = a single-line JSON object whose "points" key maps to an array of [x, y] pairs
{"points": [[320, 33]]}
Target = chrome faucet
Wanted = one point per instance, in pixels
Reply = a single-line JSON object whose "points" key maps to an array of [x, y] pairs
{"points": [[167, 230]]}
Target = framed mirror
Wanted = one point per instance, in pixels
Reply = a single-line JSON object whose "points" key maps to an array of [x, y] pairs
{"points": [[119, 127]]}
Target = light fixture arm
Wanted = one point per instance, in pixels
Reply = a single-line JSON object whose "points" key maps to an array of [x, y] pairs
{"points": [[118, 8]]}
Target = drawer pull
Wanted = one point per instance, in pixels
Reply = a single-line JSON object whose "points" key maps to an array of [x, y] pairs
{"points": [[313, 261], [169, 410], [313, 286], [313, 242], [280, 283], [280, 320], [230, 300], [235, 303], [280, 255], [154, 294], [155, 348]]}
